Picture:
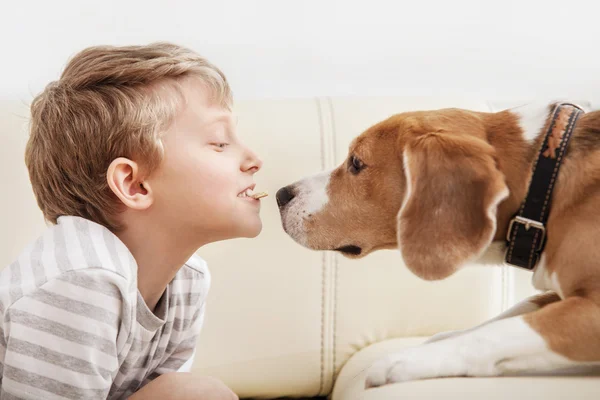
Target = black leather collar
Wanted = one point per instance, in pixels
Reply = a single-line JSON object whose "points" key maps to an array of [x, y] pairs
{"points": [[527, 233]]}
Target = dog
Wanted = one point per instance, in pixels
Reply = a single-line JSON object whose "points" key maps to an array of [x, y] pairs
{"points": [[445, 187]]}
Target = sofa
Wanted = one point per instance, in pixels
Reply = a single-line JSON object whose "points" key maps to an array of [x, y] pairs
{"points": [[285, 321]]}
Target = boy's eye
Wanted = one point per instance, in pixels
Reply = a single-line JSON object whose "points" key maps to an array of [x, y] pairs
{"points": [[220, 145]]}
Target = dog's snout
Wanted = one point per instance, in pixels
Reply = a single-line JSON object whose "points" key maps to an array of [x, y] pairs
{"points": [[284, 196]]}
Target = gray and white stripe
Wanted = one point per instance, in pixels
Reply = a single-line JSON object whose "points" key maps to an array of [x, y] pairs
{"points": [[74, 325]]}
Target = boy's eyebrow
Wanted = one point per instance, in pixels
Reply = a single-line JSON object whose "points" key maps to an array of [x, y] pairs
{"points": [[222, 118]]}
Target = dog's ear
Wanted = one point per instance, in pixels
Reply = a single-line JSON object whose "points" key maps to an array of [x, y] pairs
{"points": [[448, 215]]}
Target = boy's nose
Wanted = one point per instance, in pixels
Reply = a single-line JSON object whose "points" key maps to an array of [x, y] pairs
{"points": [[258, 163], [284, 196], [252, 164]]}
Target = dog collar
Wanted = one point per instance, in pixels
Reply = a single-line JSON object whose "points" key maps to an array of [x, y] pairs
{"points": [[526, 236]]}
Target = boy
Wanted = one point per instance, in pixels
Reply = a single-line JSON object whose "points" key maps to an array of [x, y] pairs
{"points": [[134, 159]]}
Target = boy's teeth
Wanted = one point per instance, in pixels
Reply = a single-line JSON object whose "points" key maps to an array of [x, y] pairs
{"points": [[246, 193]]}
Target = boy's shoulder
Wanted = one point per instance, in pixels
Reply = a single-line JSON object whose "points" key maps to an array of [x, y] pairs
{"points": [[82, 252], [73, 250]]}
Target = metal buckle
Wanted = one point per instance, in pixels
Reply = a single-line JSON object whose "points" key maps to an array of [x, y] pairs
{"points": [[529, 223]]}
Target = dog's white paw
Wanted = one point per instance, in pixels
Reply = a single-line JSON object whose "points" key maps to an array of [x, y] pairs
{"points": [[391, 369], [419, 362], [377, 375]]}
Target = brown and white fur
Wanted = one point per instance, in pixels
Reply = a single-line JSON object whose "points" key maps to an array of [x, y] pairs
{"points": [[442, 187]]}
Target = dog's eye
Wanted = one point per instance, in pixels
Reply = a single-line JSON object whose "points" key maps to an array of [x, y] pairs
{"points": [[355, 165]]}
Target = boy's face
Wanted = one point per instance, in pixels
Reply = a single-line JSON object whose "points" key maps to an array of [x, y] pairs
{"points": [[199, 187]]}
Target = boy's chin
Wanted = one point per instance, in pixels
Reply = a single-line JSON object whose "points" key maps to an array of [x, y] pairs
{"points": [[255, 231], [251, 229]]}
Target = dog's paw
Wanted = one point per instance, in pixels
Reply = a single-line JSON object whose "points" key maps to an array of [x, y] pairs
{"points": [[377, 375], [420, 362], [391, 369]]}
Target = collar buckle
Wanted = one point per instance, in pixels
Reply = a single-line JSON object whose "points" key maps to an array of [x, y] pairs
{"points": [[528, 223]]}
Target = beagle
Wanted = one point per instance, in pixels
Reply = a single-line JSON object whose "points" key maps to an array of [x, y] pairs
{"points": [[444, 187]]}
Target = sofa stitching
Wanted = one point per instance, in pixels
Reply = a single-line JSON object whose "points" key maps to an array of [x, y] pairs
{"points": [[323, 292], [335, 303], [323, 257], [336, 259]]}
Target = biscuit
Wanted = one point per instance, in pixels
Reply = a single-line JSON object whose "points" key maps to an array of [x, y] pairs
{"points": [[259, 195]]}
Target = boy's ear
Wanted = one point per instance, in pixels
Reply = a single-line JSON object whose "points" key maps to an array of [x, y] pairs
{"points": [[125, 180]]}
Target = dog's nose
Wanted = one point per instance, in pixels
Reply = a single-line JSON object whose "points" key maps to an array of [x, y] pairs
{"points": [[284, 196]]}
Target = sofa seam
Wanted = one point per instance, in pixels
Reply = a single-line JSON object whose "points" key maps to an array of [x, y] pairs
{"points": [[336, 258], [323, 256]]}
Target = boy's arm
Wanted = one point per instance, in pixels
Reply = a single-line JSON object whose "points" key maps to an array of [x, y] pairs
{"points": [[61, 340], [184, 386]]}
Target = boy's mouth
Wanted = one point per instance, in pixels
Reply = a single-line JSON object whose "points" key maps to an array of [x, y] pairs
{"points": [[246, 193], [249, 193]]}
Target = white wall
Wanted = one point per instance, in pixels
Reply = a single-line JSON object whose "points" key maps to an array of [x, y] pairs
{"points": [[513, 49]]}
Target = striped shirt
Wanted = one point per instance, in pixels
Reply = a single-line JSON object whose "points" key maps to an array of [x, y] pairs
{"points": [[74, 325]]}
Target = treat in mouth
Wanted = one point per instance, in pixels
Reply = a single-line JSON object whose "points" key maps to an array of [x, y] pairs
{"points": [[259, 195]]}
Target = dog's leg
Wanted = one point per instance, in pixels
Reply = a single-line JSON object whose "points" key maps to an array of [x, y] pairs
{"points": [[559, 336], [528, 305]]}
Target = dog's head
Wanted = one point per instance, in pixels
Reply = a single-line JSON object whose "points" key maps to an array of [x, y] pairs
{"points": [[425, 182]]}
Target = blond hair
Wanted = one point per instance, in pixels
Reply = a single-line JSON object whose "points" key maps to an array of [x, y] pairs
{"points": [[109, 102]]}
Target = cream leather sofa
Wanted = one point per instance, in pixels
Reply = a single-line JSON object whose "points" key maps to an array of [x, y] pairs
{"points": [[286, 321]]}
